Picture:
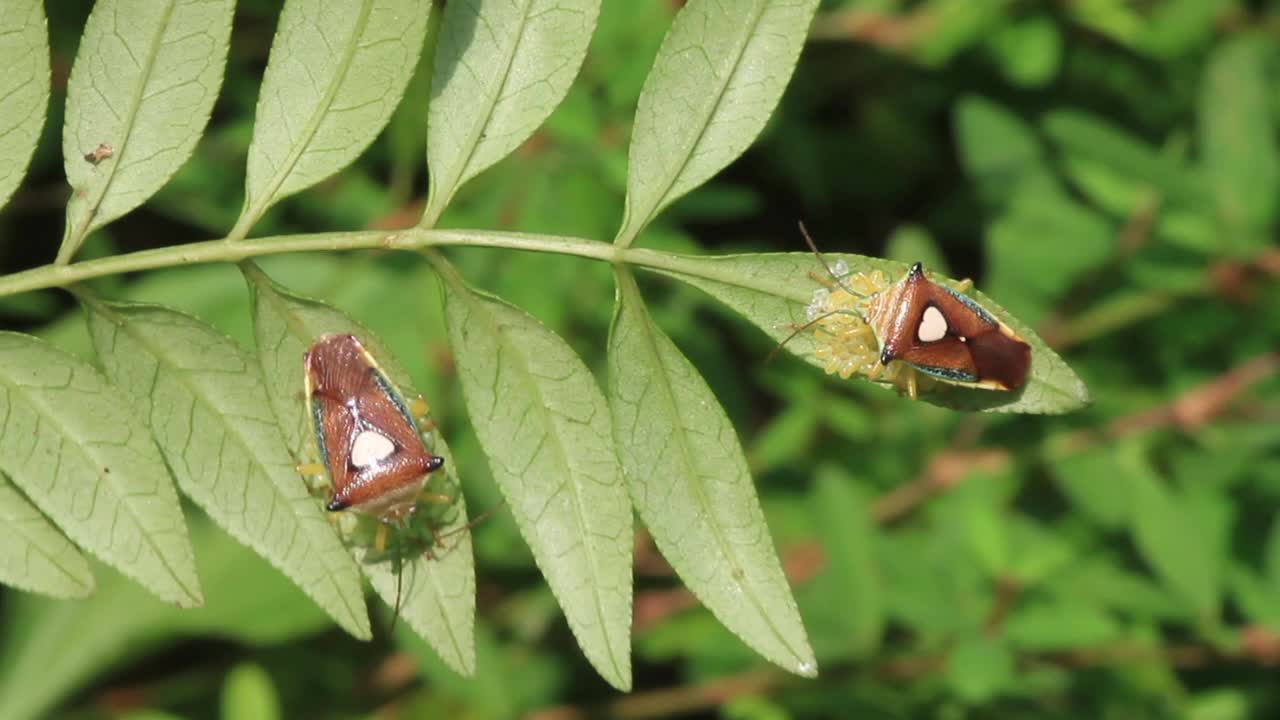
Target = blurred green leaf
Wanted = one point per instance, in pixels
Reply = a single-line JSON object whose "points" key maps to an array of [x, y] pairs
{"points": [[997, 148], [1029, 50], [954, 26], [1097, 484], [34, 556], [24, 88], [72, 446], [718, 76], [501, 67], [1100, 580], [701, 508], [141, 90], [1178, 26], [201, 394], [51, 649], [248, 694], [1220, 704], [336, 73], [911, 244], [979, 668], [851, 582], [1117, 170], [1059, 624], [1238, 138], [545, 427], [436, 596], [932, 584], [1174, 534], [1041, 246], [1038, 551], [516, 679], [771, 290]]}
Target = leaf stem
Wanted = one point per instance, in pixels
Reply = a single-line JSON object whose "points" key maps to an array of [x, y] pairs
{"points": [[235, 251]]}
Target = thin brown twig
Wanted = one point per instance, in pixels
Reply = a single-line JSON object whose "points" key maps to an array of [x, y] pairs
{"points": [[1188, 411]]}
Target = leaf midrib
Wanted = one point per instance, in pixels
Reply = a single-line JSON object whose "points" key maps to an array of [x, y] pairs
{"points": [[704, 123], [540, 407], [186, 378], [303, 140], [473, 140], [695, 484], [131, 118]]}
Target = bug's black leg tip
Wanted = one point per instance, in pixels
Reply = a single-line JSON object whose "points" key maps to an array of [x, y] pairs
{"points": [[334, 505], [886, 357], [917, 269]]}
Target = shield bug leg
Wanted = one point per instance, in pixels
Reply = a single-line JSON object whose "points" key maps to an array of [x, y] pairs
{"points": [[310, 469]]}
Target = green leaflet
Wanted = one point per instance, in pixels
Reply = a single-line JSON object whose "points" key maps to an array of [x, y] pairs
{"points": [[336, 73], [544, 425], [691, 485], [68, 440], [202, 396], [772, 289], [34, 556], [718, 76], [852, 583], [24, 88], [140, 93], [438, 595], [501, 67]]}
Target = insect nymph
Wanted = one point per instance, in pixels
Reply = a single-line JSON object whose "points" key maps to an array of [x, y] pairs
{"points": [[905, 331], [369, 442]]}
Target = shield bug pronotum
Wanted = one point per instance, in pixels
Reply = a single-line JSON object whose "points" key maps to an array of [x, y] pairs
{"points": [[910, 331]]}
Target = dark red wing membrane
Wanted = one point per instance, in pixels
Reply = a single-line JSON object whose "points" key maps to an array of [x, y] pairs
{"points": [[1001, 358], [974, 349], [372, 448]]}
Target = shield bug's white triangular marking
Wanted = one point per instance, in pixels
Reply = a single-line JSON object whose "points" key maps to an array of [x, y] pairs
{"points": [[370, 448], [933, 327]]}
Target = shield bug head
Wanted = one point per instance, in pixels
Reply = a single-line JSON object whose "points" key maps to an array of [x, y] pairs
{"points": [[911, 332]]}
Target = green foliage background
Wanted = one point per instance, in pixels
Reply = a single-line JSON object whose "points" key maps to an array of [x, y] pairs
{"points": [[1106, 171]]}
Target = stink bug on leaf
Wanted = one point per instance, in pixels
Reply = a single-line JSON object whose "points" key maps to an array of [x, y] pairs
{"points": [[371, 448], [910, 331], [369, 441]]}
